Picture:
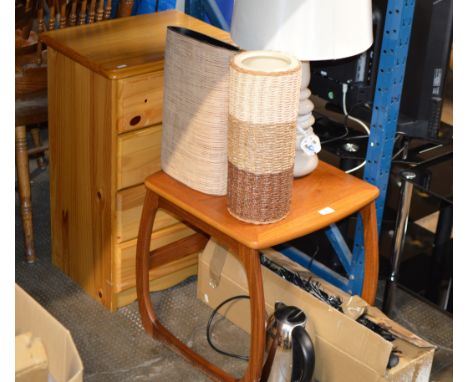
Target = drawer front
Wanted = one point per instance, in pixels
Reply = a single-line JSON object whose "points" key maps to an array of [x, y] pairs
{"points": [[125, 255], [139, 101], [182, 269], [129, 206], [138, 155]]}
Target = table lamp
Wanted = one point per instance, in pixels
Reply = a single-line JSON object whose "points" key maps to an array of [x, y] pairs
{"points": [[311, 30]]}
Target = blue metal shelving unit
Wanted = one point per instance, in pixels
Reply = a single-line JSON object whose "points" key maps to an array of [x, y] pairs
{"points": [[386, 105]]}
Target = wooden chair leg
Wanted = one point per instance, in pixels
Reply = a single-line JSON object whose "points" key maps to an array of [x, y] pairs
{"points": [[371, 253], [37, 142], [125, 8], [24, 189], [250, 258]]}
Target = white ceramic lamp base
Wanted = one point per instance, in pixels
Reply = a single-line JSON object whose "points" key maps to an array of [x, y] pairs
{"points": [[304, 164], [307, 143]]}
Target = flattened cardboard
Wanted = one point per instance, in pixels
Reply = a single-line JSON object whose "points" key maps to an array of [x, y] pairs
{"points": [[64, 360], [346, 350]]}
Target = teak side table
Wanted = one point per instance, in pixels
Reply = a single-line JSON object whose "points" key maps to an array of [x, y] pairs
{"points": [[105, 83], [318, 200]]}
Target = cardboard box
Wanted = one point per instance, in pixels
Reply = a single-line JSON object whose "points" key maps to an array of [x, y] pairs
{"points": [[31, 363], [346, 351], [63, 359]]}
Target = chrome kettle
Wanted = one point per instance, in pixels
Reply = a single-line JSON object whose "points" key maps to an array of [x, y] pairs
{"points": [[291, 355]]}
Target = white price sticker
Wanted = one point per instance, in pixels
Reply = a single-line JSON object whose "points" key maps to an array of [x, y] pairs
{"points": [[326, 211]]}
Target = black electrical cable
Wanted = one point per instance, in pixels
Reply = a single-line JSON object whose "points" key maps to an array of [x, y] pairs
{"points": [[364, 103], [345, 123], [208, 329], [346, 127], [336, 138], [357, 137], [313, 256], [157, 6]]}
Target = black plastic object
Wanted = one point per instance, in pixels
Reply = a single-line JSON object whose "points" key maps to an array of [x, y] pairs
{"points": [[290, 314], [393, 360], [303, 356], [202, 38]]}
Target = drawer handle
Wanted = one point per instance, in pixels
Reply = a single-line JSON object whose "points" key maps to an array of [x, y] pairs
{"points": [[135, 120]]}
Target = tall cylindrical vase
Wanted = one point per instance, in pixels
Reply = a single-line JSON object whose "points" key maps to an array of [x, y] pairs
{"points": [[263, 104]]}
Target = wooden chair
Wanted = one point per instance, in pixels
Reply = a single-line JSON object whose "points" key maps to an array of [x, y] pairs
{"points": [[327, 188], [31, 82]]}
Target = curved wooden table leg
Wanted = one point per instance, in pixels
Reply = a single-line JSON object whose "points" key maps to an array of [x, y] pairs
{"points": [[250, 258], [371, 253], [148, 316], [150, 207], [24, 189]]}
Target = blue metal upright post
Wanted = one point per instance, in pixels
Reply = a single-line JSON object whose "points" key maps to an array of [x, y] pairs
{"points": [[385, 111]]}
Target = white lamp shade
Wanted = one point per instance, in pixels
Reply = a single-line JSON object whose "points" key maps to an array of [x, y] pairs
{"points": [[311, 30]]}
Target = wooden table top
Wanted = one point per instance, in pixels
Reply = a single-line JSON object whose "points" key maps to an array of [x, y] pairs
{"points": [[124, 47], [327, 189]]}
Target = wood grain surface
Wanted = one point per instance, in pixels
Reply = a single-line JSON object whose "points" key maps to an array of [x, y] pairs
{"points": [[82, 173], [139, 101], [128, 214], [133, 45], [124, 259], [371, 250], [326, 187], [138, 155]]}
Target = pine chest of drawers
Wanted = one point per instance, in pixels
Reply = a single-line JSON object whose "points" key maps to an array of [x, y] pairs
{"points": [[105, 94]]}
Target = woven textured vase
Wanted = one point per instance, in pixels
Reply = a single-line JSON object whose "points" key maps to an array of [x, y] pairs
{"points": [[195, 117], [263, 104]]}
